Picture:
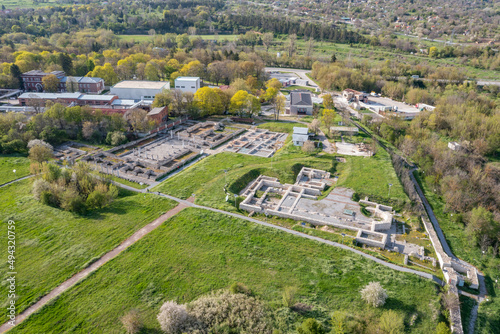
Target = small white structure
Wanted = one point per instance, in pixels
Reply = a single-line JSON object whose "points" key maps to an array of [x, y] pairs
{"points": [[187, 84], [454, 146], [139, 90], [300, 136]]}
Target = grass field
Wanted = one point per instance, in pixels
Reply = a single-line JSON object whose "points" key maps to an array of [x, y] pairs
{"points": [[52, 245], [9, 163], [196, 252], [29, 3], [460, 244]]}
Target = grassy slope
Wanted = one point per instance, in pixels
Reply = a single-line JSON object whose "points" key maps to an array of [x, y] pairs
{"points": [[10, 162], [52, 244], [461, 246], [197, 251]]}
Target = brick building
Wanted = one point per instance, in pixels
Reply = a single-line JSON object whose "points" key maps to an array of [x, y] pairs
{"points": [[159, 114], [68, 99], [32, 82]]}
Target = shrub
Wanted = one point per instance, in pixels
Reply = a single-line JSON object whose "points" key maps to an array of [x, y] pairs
{"points": [[442, 328], [289, 296], [308, 147], [230, 312], [39, 150], [173, 317], [310, 326], [240, 288], [374, 294], [392, 323], [132, 322], [48, 198], [72, 201], [40, 186]]}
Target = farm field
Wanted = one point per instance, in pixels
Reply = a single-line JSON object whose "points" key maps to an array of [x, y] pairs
{"points": [[9, 163], [53, 244], [143, 38], [196, 252]]}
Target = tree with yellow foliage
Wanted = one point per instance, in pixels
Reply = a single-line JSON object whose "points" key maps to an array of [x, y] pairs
{"points": [[208, 101]]}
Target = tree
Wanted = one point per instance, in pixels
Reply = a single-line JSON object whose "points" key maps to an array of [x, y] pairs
{"points": [[66, 62], [50, 83], [208, 101], [291, 44], [310, 326], [132, 322], [116, 138], [172, 317], [308, 147], [139, 120], [374, 294], [392, 323], [39, 150], [16, 73], [163, 98], [314, 126], [328, 101], [267, 40], [442, 328], [433, 52], [242, 102], [274, 83], [88, 129], [71, 84], [278, 103], [328, 118], [106, 72], [482, 227]]}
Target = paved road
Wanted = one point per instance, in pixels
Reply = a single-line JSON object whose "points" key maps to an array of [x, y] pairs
{"points": [[300, 73], [16, 180]]}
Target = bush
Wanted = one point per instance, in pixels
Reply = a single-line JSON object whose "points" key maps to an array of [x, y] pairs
{"points": [[230, 312], [374, 294], [289, 296], [72, 201], [392, 322], [173, 317], [310, 326], [240, 288], [48, 198], [132, 322], [40, 186], [308, 147], [442, 328]]}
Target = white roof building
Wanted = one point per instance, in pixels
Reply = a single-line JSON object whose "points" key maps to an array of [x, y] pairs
{"points": [[139, 90], [187, 84], [300, 136]]}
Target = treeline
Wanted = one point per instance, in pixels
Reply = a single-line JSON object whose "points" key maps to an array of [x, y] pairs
{"points": [[464, 175], [281, 25], [59, 124]]}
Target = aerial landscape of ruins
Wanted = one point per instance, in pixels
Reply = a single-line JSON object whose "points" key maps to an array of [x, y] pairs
{"points": [[195, 166]]}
